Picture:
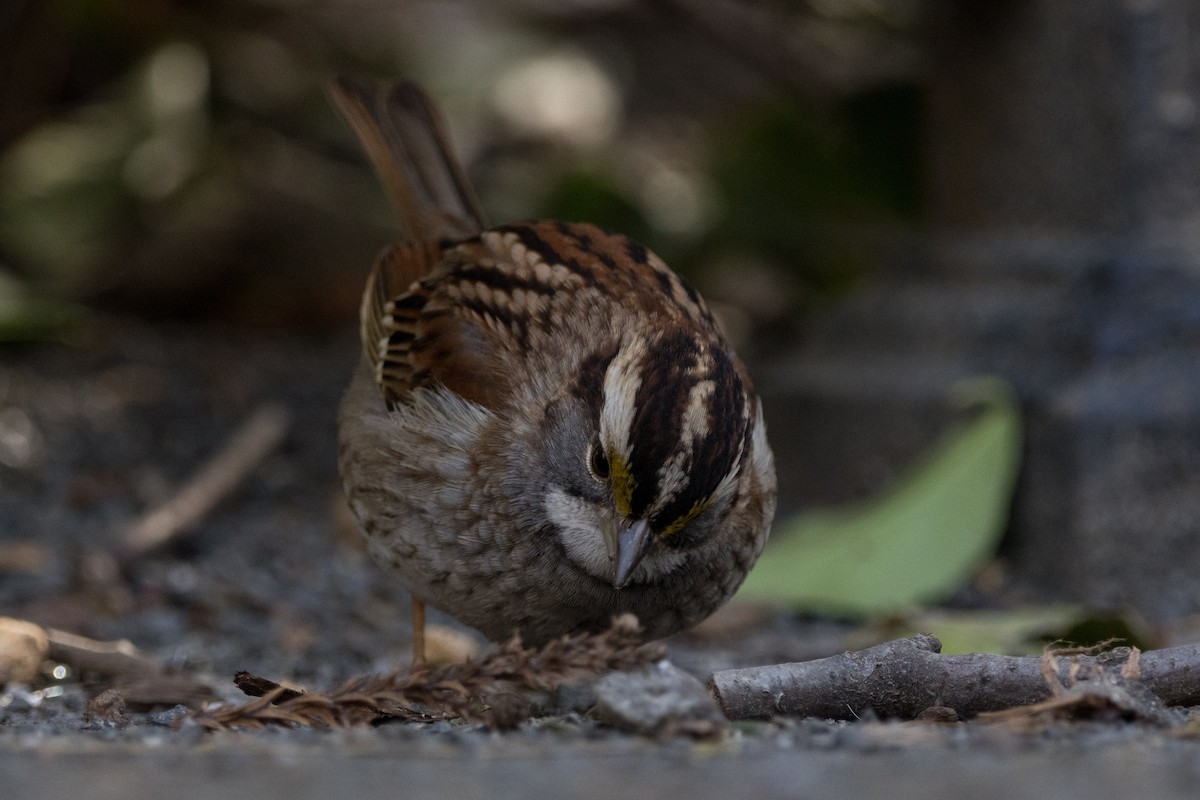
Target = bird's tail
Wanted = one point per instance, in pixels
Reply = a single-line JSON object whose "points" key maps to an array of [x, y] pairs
{"points": [[403, 133]]}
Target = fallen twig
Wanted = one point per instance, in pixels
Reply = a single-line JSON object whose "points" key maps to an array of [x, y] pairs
{"points": [[493, 690], [115, 659], [212, 482], [904, 677], [142, 681]]}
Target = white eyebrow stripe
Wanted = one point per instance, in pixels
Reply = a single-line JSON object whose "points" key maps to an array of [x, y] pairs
{"points": [[696, 414], [621, 383]]}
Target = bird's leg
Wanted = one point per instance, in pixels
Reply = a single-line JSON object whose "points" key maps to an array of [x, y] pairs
{"points": [[418, 636]]}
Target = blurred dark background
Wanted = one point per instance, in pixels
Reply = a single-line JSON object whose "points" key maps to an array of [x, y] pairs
{"points": [[173, 159], [880, 196]]}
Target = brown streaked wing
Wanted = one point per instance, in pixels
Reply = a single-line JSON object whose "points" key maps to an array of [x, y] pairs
{"points": [[477, 304], [418, 328], [391, 309], [454, 349], [625, 269]]}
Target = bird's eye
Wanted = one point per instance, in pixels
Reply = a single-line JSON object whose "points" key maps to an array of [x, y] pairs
{"points": [[598, 461]]}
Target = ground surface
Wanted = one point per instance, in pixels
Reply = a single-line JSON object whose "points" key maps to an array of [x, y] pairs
{"points": [[95, 432]]}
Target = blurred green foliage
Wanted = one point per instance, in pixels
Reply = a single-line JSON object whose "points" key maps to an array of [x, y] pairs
{"points": [[171, 158], [1016, 632], [797, 179], [1024, 630], [26, 315], [595, 197]]}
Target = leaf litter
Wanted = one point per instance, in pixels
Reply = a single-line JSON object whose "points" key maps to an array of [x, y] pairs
{"points": [[497, 690]]}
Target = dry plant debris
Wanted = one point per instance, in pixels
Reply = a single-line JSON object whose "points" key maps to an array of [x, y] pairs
{"points": [[1086, 684], [496, 690]]}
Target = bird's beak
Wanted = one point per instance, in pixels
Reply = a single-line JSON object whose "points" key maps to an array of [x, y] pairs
{"points": [[632, 540]]}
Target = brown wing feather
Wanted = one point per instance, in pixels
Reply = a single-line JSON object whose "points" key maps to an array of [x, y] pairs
{"points": [[391, 313], [413, 335], [457, 352]]}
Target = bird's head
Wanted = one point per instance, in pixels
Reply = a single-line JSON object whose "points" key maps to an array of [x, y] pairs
{"points": [[667, 422]]}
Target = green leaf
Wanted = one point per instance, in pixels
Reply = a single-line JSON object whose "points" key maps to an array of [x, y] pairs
{"points": [[1015, 632], [1021, 631], [920, 540]]}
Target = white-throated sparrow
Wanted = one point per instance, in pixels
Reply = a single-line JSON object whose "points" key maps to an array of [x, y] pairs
{"points": [[548, 427]]}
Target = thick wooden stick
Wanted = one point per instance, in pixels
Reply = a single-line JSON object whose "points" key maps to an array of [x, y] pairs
{"points": [[904, 677]]}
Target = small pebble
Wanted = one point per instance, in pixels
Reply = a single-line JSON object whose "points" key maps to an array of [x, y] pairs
{"points": [[658, 700], [168, 717]]}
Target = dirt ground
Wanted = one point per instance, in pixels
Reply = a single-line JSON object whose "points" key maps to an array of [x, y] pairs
{"points": [[95, 432]]}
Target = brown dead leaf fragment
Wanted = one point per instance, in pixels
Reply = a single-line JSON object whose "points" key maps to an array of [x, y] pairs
{"points": [[493, 690], [107, 707], [255, 686]]}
